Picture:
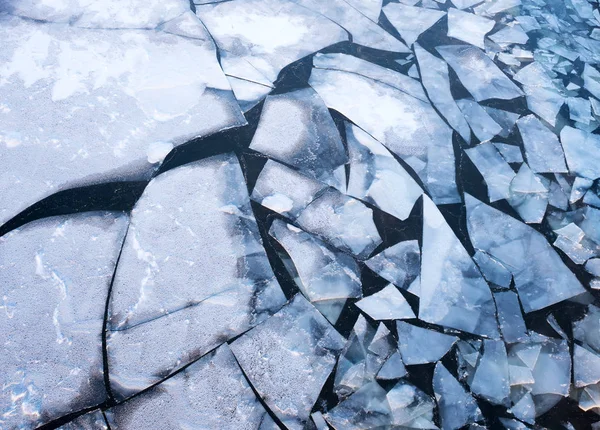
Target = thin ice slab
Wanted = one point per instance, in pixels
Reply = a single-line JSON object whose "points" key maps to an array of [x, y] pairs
{"points": [[288, 358], [542, 148], [468, 27], [496, 172], [387, 304], [51, 324], [193, 273], [411, 21], [398, 264], [419, 345]]}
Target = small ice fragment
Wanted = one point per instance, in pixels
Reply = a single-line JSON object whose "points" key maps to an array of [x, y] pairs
{"points": [[504, 119], [569, 241], [482, 124], [398, 264], [478, 73], [491, 374], [580, 110], [387, 304], [579, 188], [582, 151], [419, 345], [368, 408], [529, 195], [468, 27], [411, 407], [456, 406], [593, 266], [496, 172], [542, 148], [511, 153], [411, 21], [586, 366], [509, 35], [300, 348], [591, 80], [543, 96], [510, 317], [393, 368], [157, 151]]}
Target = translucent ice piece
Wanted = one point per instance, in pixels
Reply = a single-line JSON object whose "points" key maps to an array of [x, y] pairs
{"points": [[366, 409], [411, 21], [393, 368], [192, 274], [492, 7], [591, 80], [376, 177], [344, 222], [468, 27], [56, 274], [510, 317], [408, 127], [580, 109], [326, 275], [453, 292], [297, 129], [114, 96], [411, 407], [582, 151], [586, 329], [211, 393], [542, 148], [510, 35], [288, 358], [496, 172], [492, 269], [569, 241], [284, 190], [504, 119], [483, 126], [387, 304], [586, 366], [529, 195], [435, 78], [456, 406], [540, 276], [419, 345], [511, 153], [398, 264], [478, 73], [269, 34], [491, 374]]}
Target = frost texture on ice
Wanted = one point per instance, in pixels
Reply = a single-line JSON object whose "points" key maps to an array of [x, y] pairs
{"points": [[411, 21], [540, 276], [407, 126], [111, 94], [211, 393], [192, 274], [52, 321], [453, 291], [326, 276], [419, 345], [377, 177], [478, 73], [297, 129], [288, 358]]}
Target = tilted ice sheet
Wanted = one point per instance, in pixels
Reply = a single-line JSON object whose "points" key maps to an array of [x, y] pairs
{"points": [[398, 264], [82, 106], [419, 345], [92, 14], [542, 148], [376, 177], [56, 274], [211, 393], [297, 129], [496, 172], [453, 291], [327, 277], [192, 274], [408, 127], [540, 276], [435, 78], [411, 21], [478, 73], [269, 34], [288, 358]]}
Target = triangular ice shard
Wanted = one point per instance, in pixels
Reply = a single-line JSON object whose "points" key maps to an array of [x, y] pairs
{"points": [[411, 21], [398, 264], [453, 291], [419, 345], [387, 304]]}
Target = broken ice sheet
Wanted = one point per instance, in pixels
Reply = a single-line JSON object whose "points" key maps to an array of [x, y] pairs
{"points": [[569, 241], [510, 317], [435, 78], [543, 151], [408, 127], [327, 277], [376, 177], [297, 129], [490, 379], [51, 324], [456, 406], [288, 358], [529, 195], [411, 21], [119, 100], [192, 274], [468, 27], [492, 270], [387, 304], [362, 357], [482, 124], [211, 393], [419, 345], [93, 420], [268, 34], [511, 153], [284, 190], [478, 73], [398, 264], [582, 151], [496, 172], [453, 291], [540, 276]]}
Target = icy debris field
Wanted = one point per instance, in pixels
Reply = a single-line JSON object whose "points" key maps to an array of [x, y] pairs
{"points": [[299, 214]]}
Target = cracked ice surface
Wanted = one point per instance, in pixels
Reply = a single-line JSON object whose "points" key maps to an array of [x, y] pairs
{"points": [[192, 273], [51, 324], [142, 94]]}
